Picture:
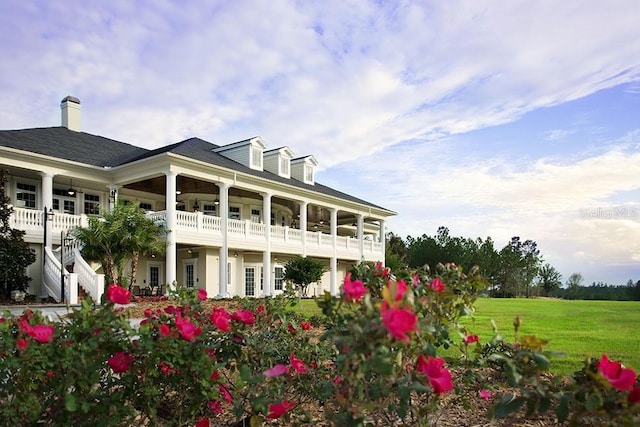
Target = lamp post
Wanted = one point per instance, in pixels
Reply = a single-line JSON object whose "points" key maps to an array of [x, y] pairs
{"points": [[65, 241]]}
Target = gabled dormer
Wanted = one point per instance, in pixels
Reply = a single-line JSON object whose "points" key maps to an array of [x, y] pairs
{"points": [[247, 152], [302, 169], [278, 161]]}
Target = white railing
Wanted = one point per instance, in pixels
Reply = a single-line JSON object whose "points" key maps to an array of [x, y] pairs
{"points": [[91, 281], [53, 277]]}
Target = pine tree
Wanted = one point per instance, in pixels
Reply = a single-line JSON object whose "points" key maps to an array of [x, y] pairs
{"points": [[15, 253]]}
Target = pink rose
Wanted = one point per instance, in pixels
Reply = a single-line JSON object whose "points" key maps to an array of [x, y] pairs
{"points": [[41, 333], [619, 377], [202, 294], [245, 316], [354, 290], [220, 318], [188, 331], [437, 285], [438, 376], [399, 322], [297, 364], [276, 371], [118, 295], [485, 394]]}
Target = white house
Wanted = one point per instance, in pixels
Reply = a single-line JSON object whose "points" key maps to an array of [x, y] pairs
{"points": [[235, 213]]}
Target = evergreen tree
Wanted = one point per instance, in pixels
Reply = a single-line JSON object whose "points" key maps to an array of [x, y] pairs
{"points": [[15, 253]]}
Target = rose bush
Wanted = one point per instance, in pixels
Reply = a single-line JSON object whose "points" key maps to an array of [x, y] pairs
{"points": [[254, 361]]}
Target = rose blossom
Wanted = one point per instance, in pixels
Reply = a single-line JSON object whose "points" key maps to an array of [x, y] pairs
{"points": [[202, 294], [354, 290], [41, 333], [618, 376], [245, 316], [187, 330], [220, 318], [277, 370], [22, 344], [470, 339], [437, 285], [305, 326], [485, 394], [438, 376], [634, 395], [164, 330], [225, 393], [120, 362], [118, 295], [277, 410], [399, 322], [297, 364]]}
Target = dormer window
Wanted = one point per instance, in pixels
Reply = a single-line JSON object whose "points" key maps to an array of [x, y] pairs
{"points": [[256, 158], [284, 166], [308, 173], [278, 161], [303, 168]]}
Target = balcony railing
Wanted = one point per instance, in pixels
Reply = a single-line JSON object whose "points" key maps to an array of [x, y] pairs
{"points": [[197, 228]]}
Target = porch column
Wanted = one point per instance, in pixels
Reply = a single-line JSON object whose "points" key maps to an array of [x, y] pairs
{"points": [[47, 203], [266, 255], [361, 236], [303, 226], [170, 257], [383, 241], [224, 250], [333, 274]]}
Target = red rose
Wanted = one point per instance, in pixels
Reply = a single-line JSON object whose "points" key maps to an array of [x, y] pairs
{"points": [[354, 290], [188, 331], [120, 362], [297, 364], [215, 407], [164, 330], [277, 410], [118, 295], [437, 285], [203, 422], [399, 322], [619, 377], [276, 371], [634, 395], [470, 339], [220, 318], [305, 326], [245, 316], [41, 333], [438, 376], [22, 344], [202, 294], [225, 393]]}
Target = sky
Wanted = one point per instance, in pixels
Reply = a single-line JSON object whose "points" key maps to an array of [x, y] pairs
{"points": [[492, 118]]}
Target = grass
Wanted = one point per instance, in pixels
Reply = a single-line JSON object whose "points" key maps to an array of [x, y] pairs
{"points": [[579, 329]]}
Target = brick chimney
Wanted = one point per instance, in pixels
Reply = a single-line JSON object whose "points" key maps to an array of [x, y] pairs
{"points": [[70, 106]]}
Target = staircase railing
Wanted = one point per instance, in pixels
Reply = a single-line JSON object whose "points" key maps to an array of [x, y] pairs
{"points": [[53, 277], [91, 281]]}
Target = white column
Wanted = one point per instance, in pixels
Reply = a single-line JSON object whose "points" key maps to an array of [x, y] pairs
{"points": [[224, 250], [383, 241], [47, 204], [171, 256], [361, 236], [266, 255], [303, 226], [333, 274]]}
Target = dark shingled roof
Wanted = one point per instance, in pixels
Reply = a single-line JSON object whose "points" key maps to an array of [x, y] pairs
{"points": [[63, 143], [60, 142]]}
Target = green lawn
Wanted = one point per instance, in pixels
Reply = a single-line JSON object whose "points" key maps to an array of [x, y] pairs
{"points": [[579, 329]]}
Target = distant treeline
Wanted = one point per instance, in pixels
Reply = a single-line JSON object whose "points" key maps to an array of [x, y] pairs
{"points": [[516, 270]]}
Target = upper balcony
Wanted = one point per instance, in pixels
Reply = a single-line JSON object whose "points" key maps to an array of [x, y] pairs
{"points": [[197, 229]]}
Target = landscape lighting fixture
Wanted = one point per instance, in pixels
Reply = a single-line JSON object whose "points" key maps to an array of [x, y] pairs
{"points": [[71, 191]]}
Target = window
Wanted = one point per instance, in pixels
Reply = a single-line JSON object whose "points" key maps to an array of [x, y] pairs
{"points": [[278, 279], [308, 173], [210, 209], [284, 166], [234, 212], [273, 218], [189, 275], [256, 215], [91, 204], [62, 202], [261, 278], [250, 281], [26, 196], [146, 206], [256, 158], [154, 275]]}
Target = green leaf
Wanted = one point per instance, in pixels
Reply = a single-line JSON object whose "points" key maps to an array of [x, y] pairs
{"points": [[245, 373], [70, 403], [382, 366], [505, 408], [562, 413], [255, 421], [541, 361]]}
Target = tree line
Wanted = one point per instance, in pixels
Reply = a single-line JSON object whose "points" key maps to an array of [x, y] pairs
{"points": [[516, 270]]}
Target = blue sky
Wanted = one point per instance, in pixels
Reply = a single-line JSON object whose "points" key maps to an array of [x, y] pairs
{"points": [[493, 118]]}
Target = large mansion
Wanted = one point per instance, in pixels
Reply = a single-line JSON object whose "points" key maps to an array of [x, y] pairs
{"points": [[234, 213]]}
